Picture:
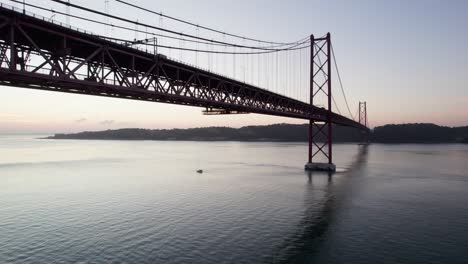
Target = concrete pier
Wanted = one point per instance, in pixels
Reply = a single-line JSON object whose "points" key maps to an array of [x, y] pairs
{"points": [[318, 166]]}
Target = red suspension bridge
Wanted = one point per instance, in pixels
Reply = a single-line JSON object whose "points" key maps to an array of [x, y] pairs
{"points": [[39, 53]]}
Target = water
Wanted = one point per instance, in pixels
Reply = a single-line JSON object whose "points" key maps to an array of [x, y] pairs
{"points": [[142, 202]]}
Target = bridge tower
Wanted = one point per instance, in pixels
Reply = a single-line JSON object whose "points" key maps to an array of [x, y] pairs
{"points": [[363, 120], [363, 113], [320, 132]]}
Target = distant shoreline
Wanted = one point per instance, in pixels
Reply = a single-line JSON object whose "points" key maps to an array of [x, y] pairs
{"points": [[388, 134], [260, 141]]}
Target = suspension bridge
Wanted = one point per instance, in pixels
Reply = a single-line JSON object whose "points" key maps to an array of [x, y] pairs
{"points": [[223, 73]]}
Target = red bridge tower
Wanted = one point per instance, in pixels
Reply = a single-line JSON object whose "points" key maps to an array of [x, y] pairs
{"points": [[320, 133]]}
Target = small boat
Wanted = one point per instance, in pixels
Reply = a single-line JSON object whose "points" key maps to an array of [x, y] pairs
{"points": [[199, 171]]}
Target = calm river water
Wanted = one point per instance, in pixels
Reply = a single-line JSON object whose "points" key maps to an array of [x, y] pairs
{"points": [[142, 202]]}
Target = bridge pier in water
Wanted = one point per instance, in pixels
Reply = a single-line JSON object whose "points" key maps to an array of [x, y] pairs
{"points": [[320, 133]]}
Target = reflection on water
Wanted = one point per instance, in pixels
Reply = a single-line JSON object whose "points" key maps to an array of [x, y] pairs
{"points": [[302, 245], [142, 202]]}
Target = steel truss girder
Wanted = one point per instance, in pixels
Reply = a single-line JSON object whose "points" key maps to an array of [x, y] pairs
{"points": [[65, 60]]}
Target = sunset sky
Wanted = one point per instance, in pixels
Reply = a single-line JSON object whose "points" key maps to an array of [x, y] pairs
{"points": [[407, 59]]}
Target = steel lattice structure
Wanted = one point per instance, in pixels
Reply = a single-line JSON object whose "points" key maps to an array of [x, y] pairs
{"points": [[320, 85], [363, 113]]}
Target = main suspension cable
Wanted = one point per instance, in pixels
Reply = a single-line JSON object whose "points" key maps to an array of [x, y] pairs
{"points": [[154, 27], [296, 47], [341, 83]]}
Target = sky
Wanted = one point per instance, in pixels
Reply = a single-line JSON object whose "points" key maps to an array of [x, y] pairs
{"points": [[407, 59]]}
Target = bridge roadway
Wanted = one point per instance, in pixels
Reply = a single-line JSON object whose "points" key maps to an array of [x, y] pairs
{"points": [[39, 54]]}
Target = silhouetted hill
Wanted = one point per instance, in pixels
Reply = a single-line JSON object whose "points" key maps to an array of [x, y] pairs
{"points": [[419, 133], [277, 132], [405, 133]]}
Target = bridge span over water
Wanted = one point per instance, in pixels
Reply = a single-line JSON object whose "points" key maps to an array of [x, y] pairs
{"points": [[39, 54]]}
